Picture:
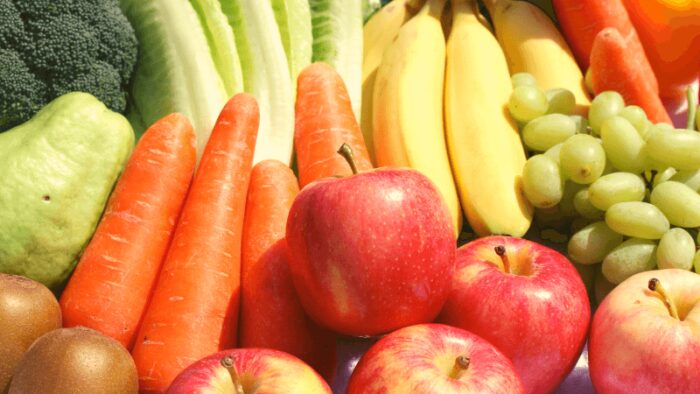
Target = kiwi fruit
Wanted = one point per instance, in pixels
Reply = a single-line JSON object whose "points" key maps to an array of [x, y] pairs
{"points": [[78, 361], [28, 310]]}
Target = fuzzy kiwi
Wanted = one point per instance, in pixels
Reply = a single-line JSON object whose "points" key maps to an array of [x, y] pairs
{"points": [[28, 310], [75, 360]]}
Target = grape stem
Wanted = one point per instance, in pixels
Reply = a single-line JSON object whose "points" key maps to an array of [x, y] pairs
{"points": [[227, 362], [655, 286], [650, 181], [692, 107], [460, 367], [501, 252]]}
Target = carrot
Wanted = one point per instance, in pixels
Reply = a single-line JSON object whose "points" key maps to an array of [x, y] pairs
{"points": [[114, 279], [582, 20], [194, 309], [324, 121], [614, 68], [271, 313]]}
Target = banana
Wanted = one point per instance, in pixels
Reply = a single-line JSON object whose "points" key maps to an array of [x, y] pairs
{"points": [[378, 33], [408, 123], [484, 145], [533, 44]]}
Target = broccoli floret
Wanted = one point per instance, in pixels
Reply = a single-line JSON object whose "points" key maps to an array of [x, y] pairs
{"points": [[51, 47], [22, 93]]}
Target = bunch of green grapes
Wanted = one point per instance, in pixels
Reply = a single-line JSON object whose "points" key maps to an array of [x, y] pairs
{"points": [[626, 188]]}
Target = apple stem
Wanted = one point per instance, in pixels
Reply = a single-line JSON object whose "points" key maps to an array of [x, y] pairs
{"points": [[460, 367], [655, 286], [227, 362], [501, 252], [346, 151]]}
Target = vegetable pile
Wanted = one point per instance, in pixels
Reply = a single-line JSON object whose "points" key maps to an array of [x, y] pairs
{"points": [[52, 47]]}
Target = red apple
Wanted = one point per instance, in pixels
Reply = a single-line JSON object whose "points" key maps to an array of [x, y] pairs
{"points": [[272, 317], [527, 300], [371, 252], [433, 358], [249, 370], [645, 335]]}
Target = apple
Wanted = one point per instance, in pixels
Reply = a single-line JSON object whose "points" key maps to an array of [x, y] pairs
{"points": [[249, 370], [372, 252], [527, 300], [433, 358], [645, 335], [272, 317]]}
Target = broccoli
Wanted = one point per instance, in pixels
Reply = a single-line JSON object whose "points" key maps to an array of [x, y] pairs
{"points": [[52, 47]]}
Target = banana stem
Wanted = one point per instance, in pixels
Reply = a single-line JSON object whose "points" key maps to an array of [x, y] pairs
{"points": [[433, 8]]}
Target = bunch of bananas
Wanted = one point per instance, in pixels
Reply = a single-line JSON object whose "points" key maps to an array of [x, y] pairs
{"points": [[436, 84]]}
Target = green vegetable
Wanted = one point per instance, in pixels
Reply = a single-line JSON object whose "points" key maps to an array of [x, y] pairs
{"points": [[57, 172], [51, 47], [294, 22], [266, 75], [337, 30], [222, 43], [175, 71]]}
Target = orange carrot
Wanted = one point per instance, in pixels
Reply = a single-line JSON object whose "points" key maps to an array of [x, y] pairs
{"points": [[582, 20], [324, 121], [194, 309], [271, 314], [114, 279], [614, 68]]}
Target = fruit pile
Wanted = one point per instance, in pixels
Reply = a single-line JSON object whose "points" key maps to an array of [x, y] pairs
{"points": [[249, 215], [625, 179]]}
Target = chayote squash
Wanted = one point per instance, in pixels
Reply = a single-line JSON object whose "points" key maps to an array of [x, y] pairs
{"points": [[56, 173]]}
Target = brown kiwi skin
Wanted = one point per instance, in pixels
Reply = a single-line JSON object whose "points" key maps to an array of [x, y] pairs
{"points": [[28, 310], [75, 360]]}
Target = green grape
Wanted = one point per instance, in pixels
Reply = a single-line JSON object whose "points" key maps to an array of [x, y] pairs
{"points": [[696, 260], [637, 219], [542, 182], [566, 205], [624, 147], [663, 176], [616, 187], [561, 101], [630, 257], [523, 79], [581, 124], [604, 106], [689, 178], [582, 159], [678, 202], [609, 168], [676, 250], [644, 131], [636, 116], [527, 103], [679, 149], [546, 131], [591, 244], [554, 151], [583, 206]]}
